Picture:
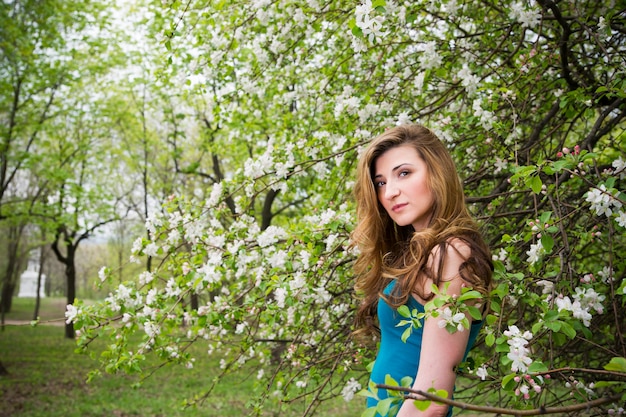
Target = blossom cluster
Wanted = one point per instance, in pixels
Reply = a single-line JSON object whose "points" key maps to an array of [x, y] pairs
{"points": [[582, 304], [528, 383], [603, 202], [454, 321], [527, 16], [518, 349], [369, 21], [535, 252]]}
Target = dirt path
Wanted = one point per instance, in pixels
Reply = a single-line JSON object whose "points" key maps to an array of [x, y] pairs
{"points": [[53, 322]]}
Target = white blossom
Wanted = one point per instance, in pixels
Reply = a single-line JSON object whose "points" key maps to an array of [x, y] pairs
{"points": [[447, 318], [403, 119], [518, 352], [152, 329], [430, 58], [584, 300], [70, 313], [548, 286], [621, 219], [151, 249], [451, 7], [278, 259], [270, 236], [529, 18], [606, 274], [500, 165], [620, 167], [102, 273], [351, 387], [468, 80], [482, 372], [172, 290], [280, 295], [602, 201], [535, 252], [151, 297], [216, 194], [297, 282], [137, 245], [369, 21], [153, 221], [145, 277]]}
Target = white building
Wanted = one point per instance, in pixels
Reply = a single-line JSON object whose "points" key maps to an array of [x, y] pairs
{"points": [[28, 281]]}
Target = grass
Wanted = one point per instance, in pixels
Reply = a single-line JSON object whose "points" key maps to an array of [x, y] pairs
{"points": [[46, 378]]}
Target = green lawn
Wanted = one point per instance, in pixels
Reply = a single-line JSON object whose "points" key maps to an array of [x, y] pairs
{"points": [[46, 378]]}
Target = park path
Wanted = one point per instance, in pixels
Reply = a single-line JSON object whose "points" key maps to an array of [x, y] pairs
{"points": [[54, 322]]}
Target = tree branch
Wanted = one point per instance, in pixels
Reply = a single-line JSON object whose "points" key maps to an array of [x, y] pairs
{"points": [[421, 395]]}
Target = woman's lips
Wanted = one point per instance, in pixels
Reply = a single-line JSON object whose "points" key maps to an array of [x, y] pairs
{"points": [[398, 207]]}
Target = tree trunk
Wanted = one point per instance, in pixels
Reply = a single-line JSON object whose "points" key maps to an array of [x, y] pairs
{"points": [[69, 260], [194, 301], [3, 370], [8, 287], [39, 275], [5, 301], [70, 275]]}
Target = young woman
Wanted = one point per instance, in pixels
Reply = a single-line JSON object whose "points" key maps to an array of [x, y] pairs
{"points": [[414, 231]]}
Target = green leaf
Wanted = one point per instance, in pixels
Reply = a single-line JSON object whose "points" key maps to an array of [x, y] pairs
{"points": [[421, 404], [369, 412], [390, 381], [383, 406], [474, 312], [537, 366], [367, 393], [356, 31], [404, 311], [568, 330], [616, 364], [507, 382], [441, 393], [534, 183], [470, 295], [547, 242], [545, 216], [406, 334], [490, 339], [406, 381], [555, 326]]}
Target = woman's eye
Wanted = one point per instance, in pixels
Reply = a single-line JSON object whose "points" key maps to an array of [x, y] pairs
{"points": [[379, 184], [404, 173]]}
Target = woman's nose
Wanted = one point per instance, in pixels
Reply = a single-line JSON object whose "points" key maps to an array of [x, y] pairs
{"points": [[391, 190]]}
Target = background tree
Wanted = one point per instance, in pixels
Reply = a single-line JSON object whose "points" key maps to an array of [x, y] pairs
{"points": [[40, 44]]}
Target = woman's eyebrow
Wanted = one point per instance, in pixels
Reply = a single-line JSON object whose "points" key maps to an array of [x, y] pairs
{"points": [[400, 166], [394, 169]]}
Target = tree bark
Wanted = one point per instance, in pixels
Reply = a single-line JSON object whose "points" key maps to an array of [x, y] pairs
{"points": [[42, 258], [3, 370], [69, 260]]}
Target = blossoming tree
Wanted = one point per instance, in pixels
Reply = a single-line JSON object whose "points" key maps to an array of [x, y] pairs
{"points": [[530, 99]]}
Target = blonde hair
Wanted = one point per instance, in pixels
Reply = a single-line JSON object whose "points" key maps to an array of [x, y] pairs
{"points": [[388, 251]]}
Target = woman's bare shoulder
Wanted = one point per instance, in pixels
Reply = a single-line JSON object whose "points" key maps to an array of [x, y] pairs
{"points": [[454, 249]]}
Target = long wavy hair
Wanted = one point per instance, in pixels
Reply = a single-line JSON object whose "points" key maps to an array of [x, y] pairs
{"points": [[388, 251]]}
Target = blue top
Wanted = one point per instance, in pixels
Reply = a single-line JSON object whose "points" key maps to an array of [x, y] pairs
{"points": [[395, 357]]}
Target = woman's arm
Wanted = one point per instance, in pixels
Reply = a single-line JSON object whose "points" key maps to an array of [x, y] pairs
{"points": [[441, 351]]}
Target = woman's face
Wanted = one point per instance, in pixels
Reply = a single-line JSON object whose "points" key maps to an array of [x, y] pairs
{"points": [[401, 182]]}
